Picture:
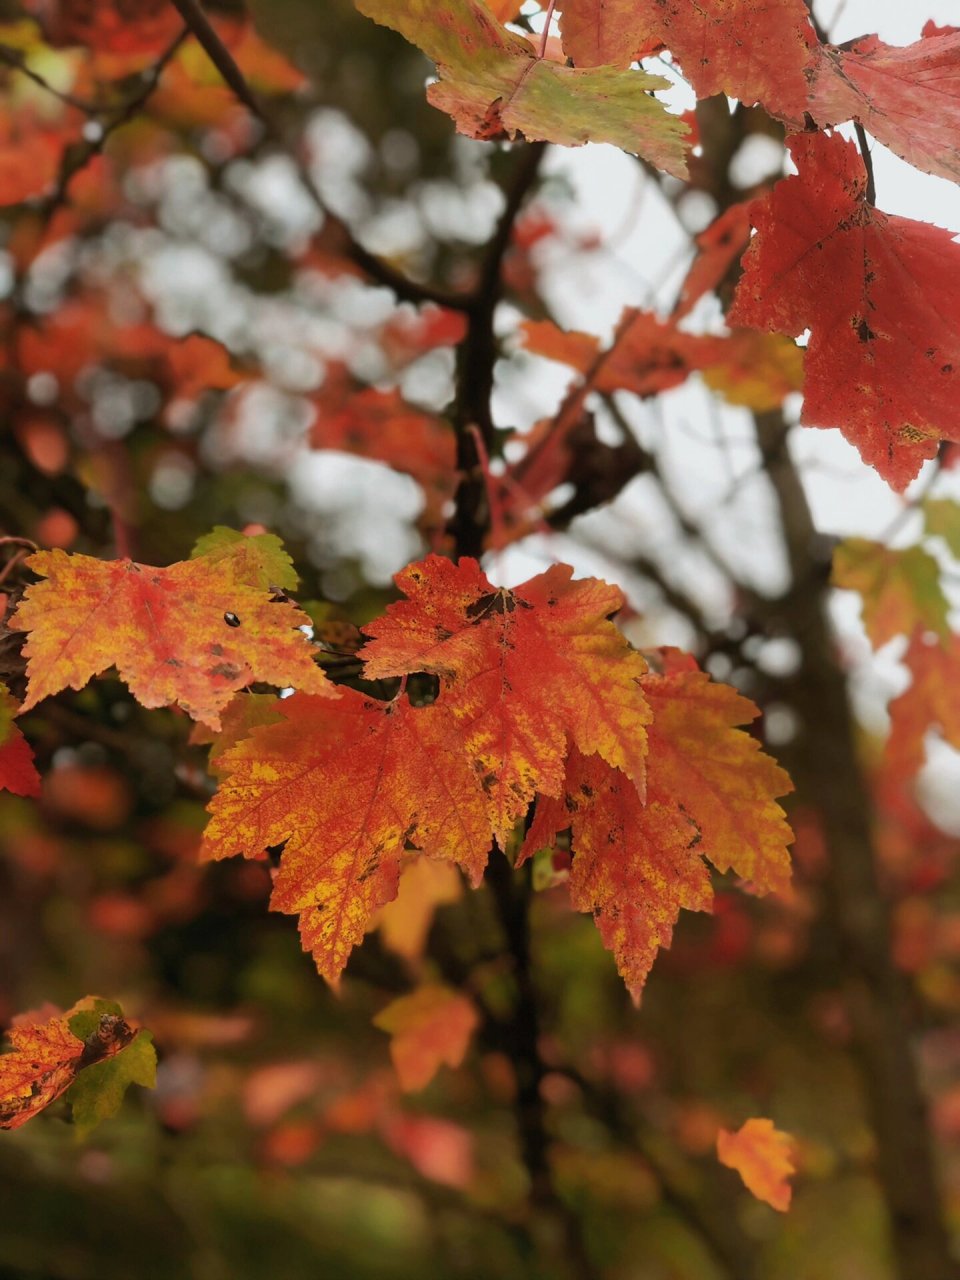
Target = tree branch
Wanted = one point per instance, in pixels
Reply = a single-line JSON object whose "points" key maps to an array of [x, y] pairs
{"points": [[476, 358], [406, 289]]}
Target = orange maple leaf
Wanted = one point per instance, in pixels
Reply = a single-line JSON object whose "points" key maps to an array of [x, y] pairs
{"points": [[718, 775], [710, 794], [46, 1058], [346, 786], [428, 1028], [634, 865], [522, 672], [192, 634], [762, 1155]]}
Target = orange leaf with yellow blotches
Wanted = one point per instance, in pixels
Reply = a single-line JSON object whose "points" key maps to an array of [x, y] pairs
{"points": [[763, 1157], [522, 673], [18, 773], [701, 761], [634, 866], [192, 634], [46, 1058], [428, 1029], [345, 787], [710, 794]]}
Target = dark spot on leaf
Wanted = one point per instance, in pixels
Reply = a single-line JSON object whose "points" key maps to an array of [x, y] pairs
{"points": [[864, 332], [225, 669]]}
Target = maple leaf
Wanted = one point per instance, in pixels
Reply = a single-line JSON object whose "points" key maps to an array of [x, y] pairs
{"points": [[909, 98], [900, 589], [46, 1058], [880, 295], [428, 1029], [18, 773], [931, 701], [763, 1157], [521, 672], [634, 866], [345, 787], [493, 84], [726, 785], [711, 793], [753, 50], [193, 633], [259, 559], [649, 356]]}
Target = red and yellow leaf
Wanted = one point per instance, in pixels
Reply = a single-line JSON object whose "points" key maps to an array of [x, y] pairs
{"points": [[428, 1029], [880, 295], [18, 773], [711, 793], [634, 865], [494, 85], [192, 634], [900, 589], [718, 775], [763, 1157], [521, 672], [345, 787], [45, 1059]]}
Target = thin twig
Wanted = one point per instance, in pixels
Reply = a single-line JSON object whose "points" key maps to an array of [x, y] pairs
{"points": [[406, 289], [864, 145], [17, 59]]}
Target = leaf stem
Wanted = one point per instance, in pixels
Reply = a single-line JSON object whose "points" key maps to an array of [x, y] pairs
{"points": [[545, 34]]}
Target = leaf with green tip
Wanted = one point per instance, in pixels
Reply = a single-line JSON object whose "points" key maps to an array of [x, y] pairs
{"points": [[265, 559], [98, 1092], [494, 85], [942, 520], [900, 589]]}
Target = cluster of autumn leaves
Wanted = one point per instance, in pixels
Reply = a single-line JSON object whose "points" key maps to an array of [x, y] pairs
{"points": [[539, 727], [541, 708], [878, 294]]}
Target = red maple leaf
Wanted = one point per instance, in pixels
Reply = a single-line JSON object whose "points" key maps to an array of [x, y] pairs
{"points": [[880, 295]]}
